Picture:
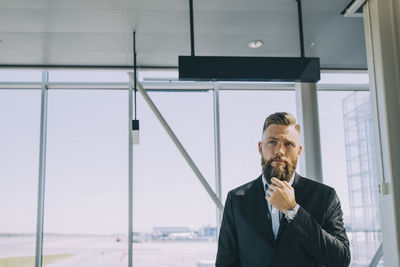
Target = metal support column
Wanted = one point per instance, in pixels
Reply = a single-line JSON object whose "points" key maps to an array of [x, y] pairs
{"points": [[307, 117], [178, 144], [42, 171], [217, 150], [130, 190]]}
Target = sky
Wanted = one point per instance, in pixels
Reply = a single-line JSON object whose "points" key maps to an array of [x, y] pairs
{"points": [[87, 153]]}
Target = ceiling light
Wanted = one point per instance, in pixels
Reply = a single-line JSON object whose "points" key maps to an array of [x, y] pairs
{"points": [[256, 44]]}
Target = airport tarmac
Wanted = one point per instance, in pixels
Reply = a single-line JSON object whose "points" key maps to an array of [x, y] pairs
{"points": [[104, 251]]}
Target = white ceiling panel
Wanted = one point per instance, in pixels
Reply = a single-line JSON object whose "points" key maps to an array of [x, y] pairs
{"points": [[63, 4], [237, 45], [156, 21], [99, 32], [95, 58], [162, 43], [240, 5], [336, 6], [156, 4], [246, 22], [61, 20]]}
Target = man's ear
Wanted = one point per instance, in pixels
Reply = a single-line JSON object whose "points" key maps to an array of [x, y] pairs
{"points": [[260, 147], [300, 149]]}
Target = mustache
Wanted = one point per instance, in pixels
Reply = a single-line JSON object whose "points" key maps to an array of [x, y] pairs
{"points": [[277, 158]]}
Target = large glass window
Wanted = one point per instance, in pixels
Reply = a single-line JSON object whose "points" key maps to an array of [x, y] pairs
{"points": [[174, 218], [19, 154], [86, 200], [349, 166]]}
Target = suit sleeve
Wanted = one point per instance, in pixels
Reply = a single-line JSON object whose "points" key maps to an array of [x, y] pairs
{"points": [[228, 253], [328, 244]]}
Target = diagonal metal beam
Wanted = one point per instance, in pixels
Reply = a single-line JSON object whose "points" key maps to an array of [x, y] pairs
{"points": [[178, 144], [377, 257]]}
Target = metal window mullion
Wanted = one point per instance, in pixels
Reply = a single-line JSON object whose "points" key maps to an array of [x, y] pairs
{"points": [[42, 171], [217, 150], [130, 176]]}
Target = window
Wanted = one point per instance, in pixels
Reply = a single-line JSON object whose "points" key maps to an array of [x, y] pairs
{"points": [[349, 166], [86, 200], [174, 218], [19, 162]]}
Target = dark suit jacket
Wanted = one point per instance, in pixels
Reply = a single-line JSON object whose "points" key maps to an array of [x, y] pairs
{"points": [[316, 236]]}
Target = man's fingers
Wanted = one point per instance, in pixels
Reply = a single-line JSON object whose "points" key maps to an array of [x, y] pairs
{"points": [[280, 183], [287, 185], [277, 182]]}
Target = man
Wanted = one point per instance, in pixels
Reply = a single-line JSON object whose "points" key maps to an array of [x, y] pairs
{"points": [[282, 219]]}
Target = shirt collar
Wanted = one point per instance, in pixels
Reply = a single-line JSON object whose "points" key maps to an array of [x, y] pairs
{"points": [[265, 182]]}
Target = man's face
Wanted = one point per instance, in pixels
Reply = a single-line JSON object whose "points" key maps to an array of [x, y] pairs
{"points": [[279, 150]]}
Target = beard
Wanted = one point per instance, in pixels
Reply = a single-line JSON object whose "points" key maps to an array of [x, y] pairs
{"points": [[283, 173]]}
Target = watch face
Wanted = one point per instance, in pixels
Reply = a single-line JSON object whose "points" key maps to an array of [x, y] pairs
{"points": [[292, 213]]}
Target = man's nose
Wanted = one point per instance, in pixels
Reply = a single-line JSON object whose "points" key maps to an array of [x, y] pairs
{"points": [[280, 150]]}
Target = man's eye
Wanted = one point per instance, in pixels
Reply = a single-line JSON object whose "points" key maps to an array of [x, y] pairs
{"points": [[289, 144], [272, 142]]}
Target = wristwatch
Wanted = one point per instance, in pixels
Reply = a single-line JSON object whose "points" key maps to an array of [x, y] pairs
{"points": [[290, 214]]}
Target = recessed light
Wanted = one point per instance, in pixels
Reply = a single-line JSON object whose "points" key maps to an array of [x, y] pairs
{"points": [[256, 44]]}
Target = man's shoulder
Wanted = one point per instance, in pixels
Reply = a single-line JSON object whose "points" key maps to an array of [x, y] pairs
{"points": [[314, 185], [243, 189]]}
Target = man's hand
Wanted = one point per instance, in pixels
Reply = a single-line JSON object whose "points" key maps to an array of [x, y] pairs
{"points": [[281, 195]]}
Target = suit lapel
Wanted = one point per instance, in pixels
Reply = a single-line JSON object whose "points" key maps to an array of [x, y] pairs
{"points": [[298, 186], [261, 213]]}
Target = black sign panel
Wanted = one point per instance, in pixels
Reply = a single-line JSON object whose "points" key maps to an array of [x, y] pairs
{"points": [[271, 69]]}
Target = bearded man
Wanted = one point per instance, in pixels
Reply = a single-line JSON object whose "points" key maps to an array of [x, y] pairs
{"points": [[282, 219]]}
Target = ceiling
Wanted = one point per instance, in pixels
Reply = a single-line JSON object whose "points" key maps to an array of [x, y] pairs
{"points": [[99, 32]]}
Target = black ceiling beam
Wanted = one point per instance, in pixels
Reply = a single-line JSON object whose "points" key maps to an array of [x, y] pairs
{"points": [[301, 34], [191, 28], [274, 69]]}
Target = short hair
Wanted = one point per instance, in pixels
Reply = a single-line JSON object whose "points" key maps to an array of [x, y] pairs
{"points": [[281, 118]]}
